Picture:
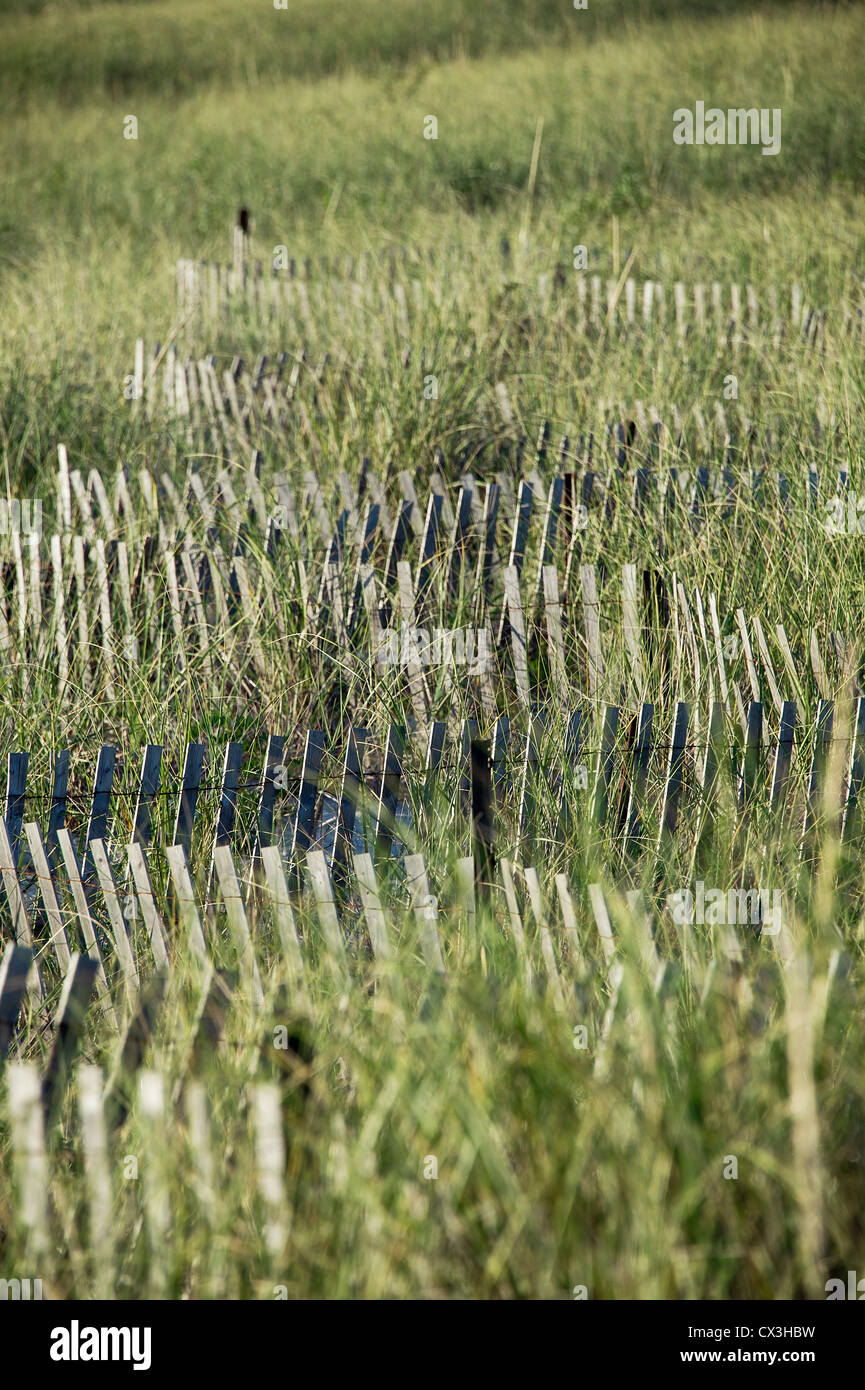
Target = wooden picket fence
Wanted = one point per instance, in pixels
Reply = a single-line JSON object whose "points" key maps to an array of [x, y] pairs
{"points": [[307, 791], [139, 565], [403, 282], [234, 403], [551, 956], [641, 785], [79, 945]]}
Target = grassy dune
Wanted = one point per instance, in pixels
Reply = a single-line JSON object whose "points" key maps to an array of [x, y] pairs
{"points": [[558, 1167], [92, 223]]}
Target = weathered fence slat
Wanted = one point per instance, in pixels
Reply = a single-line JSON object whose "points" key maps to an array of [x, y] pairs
{"points": [[111, 896], [97, 824], [606, 757], [237, 920], [16, 783], [425, 908], [48, 894], [14, 969], [284, 913], [188, 800], [227, 801], [783, 754], [148, 788], [68, 1026], [147, 902], [322, 889], [85, 921], [184, 897], [20, 920], [389, 792]]}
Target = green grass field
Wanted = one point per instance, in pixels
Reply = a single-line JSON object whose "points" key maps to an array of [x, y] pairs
{"points": [[604, 1167]]}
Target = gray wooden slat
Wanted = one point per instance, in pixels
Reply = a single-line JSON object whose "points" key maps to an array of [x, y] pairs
{"points": [[591, 615], [639, 773], [783, 754], [715, 752], [675, 770], [519, 538], [45, 884], [18, 910], [400, 538], [57, 814], [751, 754], [490, 563], [432, 765], [68, 1026], [424, 905], [367, 543], [97, 824], [267, 795], [550, 531], [437, 485], [555, 643], [188, 800], [231, 765], [606, 756], [376, 920], [467, 876], [322, 888], [85, 921], [435, 746], [530, 771], [184, 897], [16, 783], [570, 759], [148, 787], [414, 669], [307, 800], [855, 772], [111, 897], [351, 792], [501, 771], [464, 787], [819, 757], [238, 922], [517, 627], [388, 798], [281, 899], [522, 518], [14, 969], [632, 627], [147, 902], [428, 550], [460, 532]]}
